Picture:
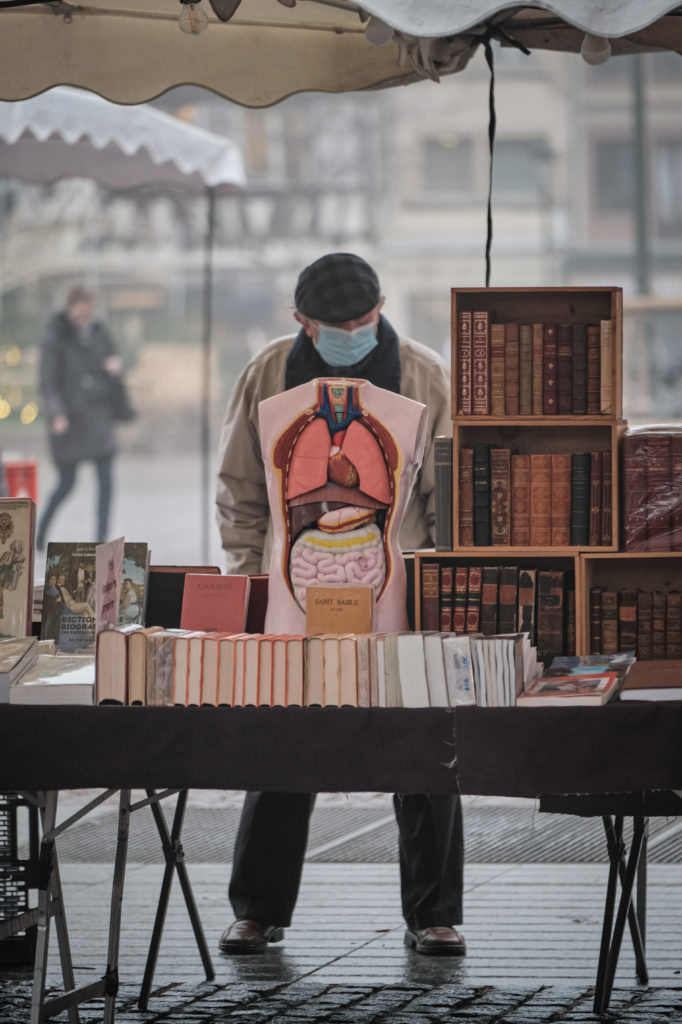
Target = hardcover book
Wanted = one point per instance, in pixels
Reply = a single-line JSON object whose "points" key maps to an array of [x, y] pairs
{"points": [[212, 602], [606, 364], [507, 598], [520, 500], [564, 691], [653, 680], [137, 663], [56, 679], [511, 369], [579, 369], [634, 448], [448, 611], [564, 369], [673, 624], [550, 384], [165, 587], [459, 622], [430, 595], [645, 625], [526, 370], [609, 621], [561, 499], [659, 603], [481, 362], [465, 361], [627, 620], [489, 595], [17, 531], [593, 369], [497, 369], [339, 609], [596, 477], [538, 368], [466, 497], [475, 583], [482, 495], [658, 503], [111, 665], [442, 455], [500, 488], [526, 609], [606, 498], [595, 615], [580, 498], [540, 500], [551, 584]]}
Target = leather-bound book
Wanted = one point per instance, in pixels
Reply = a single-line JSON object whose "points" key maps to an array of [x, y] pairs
{"points": [[500, 490], [540, 500], [609, 622], [658, 473], [673, 624], [561, 499], [497, 370], [580, 498], [481, 364], [627, 620], [550, 383], [564, 369], [538, 360], [606, 367], [570, 621], [511, 369], [474, 585], [481, 494], [525, 370], [593, 369], [430, 609], [461, 588], [507, 600], [447, 598], [645, 625], [489, 589], [465, 362], [551, 613], [526, 605], [520, 500], [676, 471], [634, 460], [595, 498], [442, 464], [579, 370], [466, 497], [606, 498], [659, 609], [595, 619]]}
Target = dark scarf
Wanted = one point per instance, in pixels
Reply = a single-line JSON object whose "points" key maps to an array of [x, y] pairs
{"points": [[380, 367]]}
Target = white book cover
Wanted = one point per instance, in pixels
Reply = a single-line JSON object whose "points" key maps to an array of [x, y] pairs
{"points": [[459, 671], [435, 670], [56, 679], [414, 687], [381, 672], [479, 673], [17, 655]]}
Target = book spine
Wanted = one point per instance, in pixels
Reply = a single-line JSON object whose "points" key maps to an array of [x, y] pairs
{"points": [[595, 620], [645, 625], [570, 621], [579, 371], [580, 498], [461, 587], [481, 364], [511, 369], [609, 622], [500, 487], [508, 598], [658, 474], [474, 584], [606, 367], [442, 458], [561, 500], [564, 370], [606, 498], [538, 361], [526, 370], [659, 609], [489, 588], [526, 608], [676, 511], [550, 383], [627, 620], [593, 374], [430, 596], [481, 495], [634, 459], [466, 497], [540, 500], [447, 598], [497, 370], [520, 500], [673, 624], [550, 613], [465, 362], [595, 498]]}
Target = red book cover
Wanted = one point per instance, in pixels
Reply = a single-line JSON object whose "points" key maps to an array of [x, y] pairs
{"points": [[446, 605], [481, 364], [520, 500], [500, 487], [627, 620], [525, 370], [465, 357], [561, 499], [461, 587], [658, 493], [497, 369], [550, 384], [507, 598], [593, 369], [430, 572], [213, 602], [540, 500], [466, 497], [676, 469], [475, 580], [564, 369], [596, 466], [537, 374], [511, 369]]}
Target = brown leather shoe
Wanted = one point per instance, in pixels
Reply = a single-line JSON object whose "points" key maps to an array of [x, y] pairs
{"points": [[245, 936], [439, 940]]}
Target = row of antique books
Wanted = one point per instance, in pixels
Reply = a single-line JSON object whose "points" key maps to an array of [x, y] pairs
{"points": [[165, 667], [535, 499], [652, 489], [494, 599], [533, 369], [648, 622]]}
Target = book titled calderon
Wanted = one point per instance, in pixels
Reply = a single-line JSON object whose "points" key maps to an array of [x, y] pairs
{"points": [[213, 602]]}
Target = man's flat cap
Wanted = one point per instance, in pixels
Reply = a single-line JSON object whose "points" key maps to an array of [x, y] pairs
{"points": [[336, 288]]}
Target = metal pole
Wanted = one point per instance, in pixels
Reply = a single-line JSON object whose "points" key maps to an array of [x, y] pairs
{"points": [[642, 254], [206, 375]]}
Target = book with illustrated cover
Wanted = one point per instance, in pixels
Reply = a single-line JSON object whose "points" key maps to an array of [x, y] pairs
{"points": [[563, 691], [17, 531], [56, 679]]}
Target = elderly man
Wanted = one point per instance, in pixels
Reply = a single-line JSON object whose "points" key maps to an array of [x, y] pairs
{"points": [[343, 334]]}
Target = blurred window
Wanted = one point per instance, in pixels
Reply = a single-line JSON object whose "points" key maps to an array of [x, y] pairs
{"points": [[667, 188], [430, 321], [615, 175], [517, 165], [448, 164]]}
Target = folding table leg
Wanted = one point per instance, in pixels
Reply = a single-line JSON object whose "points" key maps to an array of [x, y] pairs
{"points": [[111, 976], [175, 861]]}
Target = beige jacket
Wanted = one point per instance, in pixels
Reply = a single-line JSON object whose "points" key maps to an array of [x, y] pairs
{"points": [[242, 501]]}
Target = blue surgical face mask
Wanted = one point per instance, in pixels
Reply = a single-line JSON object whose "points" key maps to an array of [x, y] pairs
{"points": [[346, 348]]}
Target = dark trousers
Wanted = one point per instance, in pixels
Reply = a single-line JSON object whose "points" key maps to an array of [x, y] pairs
{"points": [[65, 484], [271, 843]]}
